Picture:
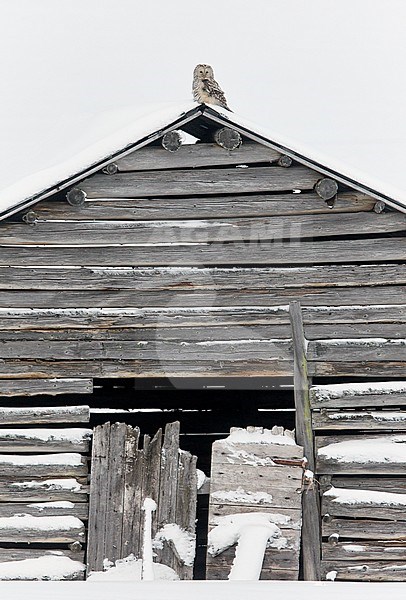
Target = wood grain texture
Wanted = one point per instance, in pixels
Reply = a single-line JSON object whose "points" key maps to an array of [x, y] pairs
{"points": [[196, 207], [385, 397], [12, 554], [48, 465], [202, 278], [23, 440], [364, 529], [394, 484], [46, 489], [191, 182], [367, 571], [44, 509], [357, 350], [201, 254], [225, 230], [336, 420], [195, 155], [371, 510], [61, 534], [364, 551], [32, 415]]}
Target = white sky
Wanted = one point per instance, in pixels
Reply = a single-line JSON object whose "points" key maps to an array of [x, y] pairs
{"points": [[328, 73]]}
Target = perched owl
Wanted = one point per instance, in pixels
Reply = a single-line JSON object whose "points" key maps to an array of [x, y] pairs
{"points": [[205, 87]]}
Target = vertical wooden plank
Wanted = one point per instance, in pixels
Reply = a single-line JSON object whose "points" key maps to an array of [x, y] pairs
{"points": [[129, 544], [311, 540], [167, 487], [152, 453], [186, 500], [116, 468], [98, 498]]}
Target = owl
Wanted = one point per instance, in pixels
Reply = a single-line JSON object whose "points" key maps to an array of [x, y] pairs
{"points": [[205, 88]]}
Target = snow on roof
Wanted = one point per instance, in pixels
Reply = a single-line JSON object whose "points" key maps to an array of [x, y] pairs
{"points": [[116, 133]]}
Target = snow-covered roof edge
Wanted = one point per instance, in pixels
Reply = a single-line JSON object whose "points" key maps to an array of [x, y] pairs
{"points": [[152, 126]]}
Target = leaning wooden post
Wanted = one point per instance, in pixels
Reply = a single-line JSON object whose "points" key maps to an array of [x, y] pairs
{"points": [[304, 437]]}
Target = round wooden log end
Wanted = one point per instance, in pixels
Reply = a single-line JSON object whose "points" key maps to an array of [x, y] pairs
{"points": [[75, 546], [110, 169], [76, 197], [326, 518], [227, 138], [172, 141], [30, 217], [333, 539], [285, 161], [326, 188], [379, 207]]}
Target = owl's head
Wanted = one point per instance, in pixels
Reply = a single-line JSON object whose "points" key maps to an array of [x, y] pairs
{"points": [[203, 72]]}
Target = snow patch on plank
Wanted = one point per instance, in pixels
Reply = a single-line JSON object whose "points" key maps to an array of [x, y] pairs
{"points": [[46, 435], [68, 485], [241, 496], [340, 390], [30, 523], [184, 542], [354, 497], [258, 435], [50, 567], [378, 416], [389, 449], [63, 459]]}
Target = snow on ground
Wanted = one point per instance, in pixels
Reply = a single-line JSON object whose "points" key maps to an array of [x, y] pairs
{"points": [[388, 449], [130, 569], [199, 590]]}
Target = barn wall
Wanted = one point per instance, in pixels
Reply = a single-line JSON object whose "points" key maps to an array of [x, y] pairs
{"points": [[183, 264]]}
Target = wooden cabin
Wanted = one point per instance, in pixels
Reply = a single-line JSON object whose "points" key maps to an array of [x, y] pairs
{"points": [[159, 276]]}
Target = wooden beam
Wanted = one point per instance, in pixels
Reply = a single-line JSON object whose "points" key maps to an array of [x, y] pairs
{"points": [[364, 551], [367, 420], [45, 489], [304, 436], [191, 182], [364, 395], [80, 510], [365, 529], [194, 156], [202, 254], [202, 207], [44, 440], [383, 571], [49, 465], [386, 369], [48, 415], [225, 230], [367, 349], [50, 387], [13, 530]]}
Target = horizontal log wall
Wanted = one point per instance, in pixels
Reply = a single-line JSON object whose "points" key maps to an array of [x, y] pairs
{"points": [[174, 250]]}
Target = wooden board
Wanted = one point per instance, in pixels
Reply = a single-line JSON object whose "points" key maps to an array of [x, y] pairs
{"points": [[371, 509], [44, 509], [45, 489], [394, 484], [194, 155], [62, 233], [49, 415], [206, 298], [369, 571], [201, 254], [38, 465], [344, 398], [11, 554], [364, 551], [364, 529], [51, 388], [203, 278], [355, 350], [191, 182], [44, 440], [378, 420], [57, 534], [365, 369], [196, 207]]}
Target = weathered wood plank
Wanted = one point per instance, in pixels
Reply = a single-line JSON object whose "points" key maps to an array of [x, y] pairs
{"points": [[390, 550], [370, 571], [220, 573], [163, 350], [31, 415], [195, 155], [62, 233], [238, 253], [373, 507], [358, 395], [394, 484], [39, 530], [142, 368], [36, 489], [191, 182], [355, 350], [203, 207], [133, 475], [45, 509], [45, 440], [335, 454], [50, 387], [209, 298], [25, 319], [98, 498], [43, 465], [200, 278], [194, 334], [364, 529], [304, 436], [387, 369], [115, 481], [378, 420], [12, 554]]}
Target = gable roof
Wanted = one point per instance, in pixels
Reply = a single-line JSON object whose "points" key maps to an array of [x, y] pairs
{"points": [[148, 126]]}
